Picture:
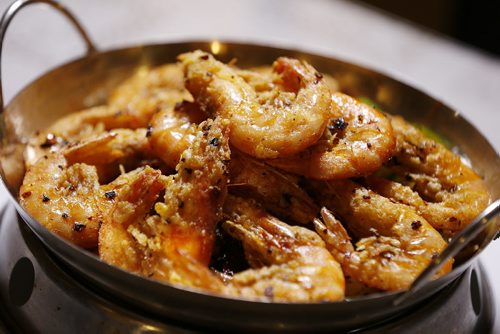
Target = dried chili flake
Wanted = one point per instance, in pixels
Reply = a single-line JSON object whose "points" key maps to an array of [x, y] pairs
{"points": [[337, 124], [214, 142], [78, 227], [26, 194], [110, 194], [415, 225], [149, 130]]}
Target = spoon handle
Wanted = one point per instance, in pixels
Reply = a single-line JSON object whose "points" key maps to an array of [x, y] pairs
{"points": [[457, 244]]}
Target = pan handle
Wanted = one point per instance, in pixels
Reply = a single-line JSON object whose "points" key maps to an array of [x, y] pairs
{"points": [[15, 7]]}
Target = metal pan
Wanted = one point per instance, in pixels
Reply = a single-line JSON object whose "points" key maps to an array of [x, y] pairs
{"points": [[87, 81]]}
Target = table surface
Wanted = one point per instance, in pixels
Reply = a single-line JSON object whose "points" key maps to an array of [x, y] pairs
{"points": [[462, 77]]}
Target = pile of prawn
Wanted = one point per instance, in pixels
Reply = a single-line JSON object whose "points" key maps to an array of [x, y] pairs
{"points": [[262, 183]]}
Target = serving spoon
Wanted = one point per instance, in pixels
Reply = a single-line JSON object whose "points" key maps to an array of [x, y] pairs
{"points": [[456, 245]]}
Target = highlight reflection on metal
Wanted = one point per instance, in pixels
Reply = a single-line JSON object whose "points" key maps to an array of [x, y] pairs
{"points": [[215, 47]]}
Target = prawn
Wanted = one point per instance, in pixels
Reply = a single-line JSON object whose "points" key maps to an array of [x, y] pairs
{"points": [[67, 200], [63, 191], [194, 196], [283, 121], [73, 128], [357, 142], [289, 263], [394, 243], [175, 243], [132, 195], [277, 191], [433, 180], [130, 238], [131, 105]]}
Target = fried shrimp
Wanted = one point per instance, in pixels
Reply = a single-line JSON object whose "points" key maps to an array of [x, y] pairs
{"points": [[173, 130], [132, 195], [76, 127], [67, 200], [357, 141], [394, 243], [131, 105], [131, 239], [62, 190], [433, 180], [175, 245], [270, 124], [194, 196], [72, 127], [278, 192], [289, 263]]}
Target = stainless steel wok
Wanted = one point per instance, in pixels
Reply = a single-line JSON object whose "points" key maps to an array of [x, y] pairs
{"points": [[87, 81]]}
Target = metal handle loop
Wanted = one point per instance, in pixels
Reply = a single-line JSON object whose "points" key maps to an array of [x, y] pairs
{"points": [[15, 7]]}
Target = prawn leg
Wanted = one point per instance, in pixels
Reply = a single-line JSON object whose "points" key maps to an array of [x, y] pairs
{"points": [[394, 243], [277, 191], [289, 263]]}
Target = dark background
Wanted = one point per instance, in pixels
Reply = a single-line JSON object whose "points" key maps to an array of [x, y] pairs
{"points": [[473, 22]]}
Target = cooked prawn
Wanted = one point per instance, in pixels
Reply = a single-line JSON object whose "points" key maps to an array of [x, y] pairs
{"points": [[173, 130], [277, 191], [394, 243], [76, 127], [175, 244], [67, 200], [132, 239], [132, 195], [62, 190], [131, 105], [289, 263], [194, 196], [357, 141], [433, 180], [275, 123]]}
